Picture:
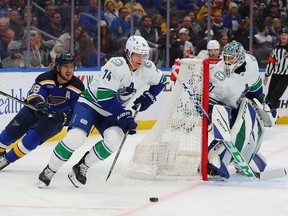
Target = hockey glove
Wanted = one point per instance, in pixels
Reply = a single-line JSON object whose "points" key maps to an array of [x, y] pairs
{"points": [[145, 100], [126, 122], [58, 117], [42, 109]]}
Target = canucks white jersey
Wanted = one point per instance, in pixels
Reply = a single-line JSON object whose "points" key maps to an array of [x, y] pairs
{"points": [[117, 81], [230, 90]]}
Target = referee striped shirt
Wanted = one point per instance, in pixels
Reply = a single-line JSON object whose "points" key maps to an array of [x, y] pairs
{"points": [[278, 61]]}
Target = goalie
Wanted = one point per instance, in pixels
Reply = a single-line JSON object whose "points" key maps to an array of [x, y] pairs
{"points": [[235, 84]]}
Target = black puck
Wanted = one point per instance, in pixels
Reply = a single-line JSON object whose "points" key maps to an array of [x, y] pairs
{"points": [[153, 199]]}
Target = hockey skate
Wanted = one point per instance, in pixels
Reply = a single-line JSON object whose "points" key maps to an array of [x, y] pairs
{"points": [[45, 177], [78, 174], [3, 162]]}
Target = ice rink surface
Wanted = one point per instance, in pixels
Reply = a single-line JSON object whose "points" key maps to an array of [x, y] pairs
{"points": [[123, 196]]}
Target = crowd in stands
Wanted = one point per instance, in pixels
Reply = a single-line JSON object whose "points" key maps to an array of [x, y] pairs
{"points": [[50, 29]]}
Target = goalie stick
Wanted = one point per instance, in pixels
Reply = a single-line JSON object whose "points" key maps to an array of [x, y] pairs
{"points": [[121, 145], [237, 156]]}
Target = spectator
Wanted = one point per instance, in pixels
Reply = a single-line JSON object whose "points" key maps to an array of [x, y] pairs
{"points": [[120, 27], [185, 45], [262, 40], [63, 44], [110, 12], [89, 55], [215, 7], [174, 22], [54, 28], [273, 13], [15, 56], [4, 23], [186, 4], [89, 23], [106, 46], [195, 26], [187, 23], [225, 8], [150, 34], [232, 19], [274, 29], [14, 23], [44, 19], [7, 36], [151, 6], [242, 34], [174, 50], [223, 40], [159, 23], [5, 8], [138, 12], [217, 24]]}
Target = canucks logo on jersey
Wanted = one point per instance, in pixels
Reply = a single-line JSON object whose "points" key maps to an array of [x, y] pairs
{"points": [[125, 93]]}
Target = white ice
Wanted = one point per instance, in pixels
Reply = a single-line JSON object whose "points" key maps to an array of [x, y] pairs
{"points": [[123, 196]]}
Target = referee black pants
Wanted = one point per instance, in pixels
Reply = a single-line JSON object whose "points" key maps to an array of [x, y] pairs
{"points": [[277, 87]]}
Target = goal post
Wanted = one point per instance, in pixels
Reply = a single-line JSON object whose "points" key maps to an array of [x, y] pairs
{"points": [[177, 146]]}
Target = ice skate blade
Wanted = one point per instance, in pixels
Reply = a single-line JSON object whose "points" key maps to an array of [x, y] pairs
{"points": [[41, 184], [73, 180]]}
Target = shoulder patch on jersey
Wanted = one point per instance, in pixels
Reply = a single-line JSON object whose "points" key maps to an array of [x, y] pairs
{"points": [[117, 62], [147, 64]]}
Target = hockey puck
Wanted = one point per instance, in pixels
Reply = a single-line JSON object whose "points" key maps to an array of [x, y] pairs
{"points": [[153, 199]]}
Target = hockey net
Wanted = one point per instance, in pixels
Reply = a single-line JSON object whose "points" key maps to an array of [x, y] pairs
{"points": [[177, 145]]}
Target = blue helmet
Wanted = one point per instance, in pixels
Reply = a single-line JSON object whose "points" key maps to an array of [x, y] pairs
{"points": [[64, 58]]}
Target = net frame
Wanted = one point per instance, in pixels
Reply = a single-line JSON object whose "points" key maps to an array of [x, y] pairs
{"points": [[203, 165]]}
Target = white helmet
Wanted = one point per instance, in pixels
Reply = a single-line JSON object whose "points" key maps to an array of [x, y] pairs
{"points": [[235, 50], [136, 44], [213, 44]]}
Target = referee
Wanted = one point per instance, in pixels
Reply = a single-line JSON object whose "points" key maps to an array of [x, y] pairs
{"points": [[278, 69]]}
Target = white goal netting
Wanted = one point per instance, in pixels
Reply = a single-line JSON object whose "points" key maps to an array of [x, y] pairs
{"points": [[173, 147]]}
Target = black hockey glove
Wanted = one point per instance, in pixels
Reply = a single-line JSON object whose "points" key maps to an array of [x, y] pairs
{"points": [[42, 109], [126, 122], [59, 117], [145, 100]]}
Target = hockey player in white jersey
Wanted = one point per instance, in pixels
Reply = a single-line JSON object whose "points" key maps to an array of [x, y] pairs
{"points": [[103, 105], [235, 83], [213, 50]]}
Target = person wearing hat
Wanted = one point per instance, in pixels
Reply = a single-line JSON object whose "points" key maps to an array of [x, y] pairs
{"points": [[15, 58], [233, 18], [277, 69], [185, 45]]}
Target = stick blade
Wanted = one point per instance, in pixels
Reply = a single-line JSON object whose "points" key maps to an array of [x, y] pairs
{"points": [[271, 174]]}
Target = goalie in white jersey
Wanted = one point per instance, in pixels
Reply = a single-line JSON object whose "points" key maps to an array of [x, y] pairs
{"points": [[102, 105], [235, 83]]}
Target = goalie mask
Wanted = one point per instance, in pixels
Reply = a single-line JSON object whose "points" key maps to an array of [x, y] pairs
{"points": [[234, 57]]}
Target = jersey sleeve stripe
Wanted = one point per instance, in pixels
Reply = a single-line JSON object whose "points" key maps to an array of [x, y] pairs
{"points": [[73, 88], [45, 82]]}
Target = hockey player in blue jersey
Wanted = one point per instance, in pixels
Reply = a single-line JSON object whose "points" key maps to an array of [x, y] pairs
{"points": [[103, 104], [54, 95]]}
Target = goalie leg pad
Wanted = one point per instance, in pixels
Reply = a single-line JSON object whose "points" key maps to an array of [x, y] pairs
{"points": [[216, 166]]}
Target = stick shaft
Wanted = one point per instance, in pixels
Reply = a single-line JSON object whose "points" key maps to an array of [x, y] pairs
{"points": [[18, 100], [121, 146]]}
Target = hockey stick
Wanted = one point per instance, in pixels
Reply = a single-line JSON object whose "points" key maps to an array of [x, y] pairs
{"points": [[121, 145], [18, 100]]}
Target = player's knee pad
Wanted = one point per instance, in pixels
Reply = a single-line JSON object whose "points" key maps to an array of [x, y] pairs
{"points": [[258, 163], [112, 138], [74, 138]]}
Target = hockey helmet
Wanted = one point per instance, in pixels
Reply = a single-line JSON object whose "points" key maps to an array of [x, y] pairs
{"points": [[136, 44], [213, 44], [64, 58]]}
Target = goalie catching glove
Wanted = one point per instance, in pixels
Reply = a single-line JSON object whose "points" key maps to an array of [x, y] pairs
{"points": [[127, 122], [145, 100], [42, 109]]}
